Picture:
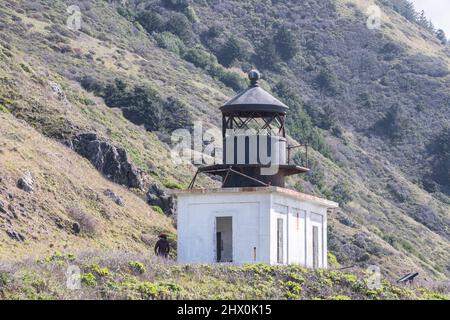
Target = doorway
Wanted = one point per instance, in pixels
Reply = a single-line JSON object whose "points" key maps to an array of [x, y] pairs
{"points": [[224, 239]]}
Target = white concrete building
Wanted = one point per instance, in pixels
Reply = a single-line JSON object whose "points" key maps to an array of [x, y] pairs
{"points": [[253, 218], [252, 225]]}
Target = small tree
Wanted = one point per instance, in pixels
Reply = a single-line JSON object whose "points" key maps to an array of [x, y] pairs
{"points": [[266, 55], [178, 5], [151, 21], [440, 34], [231, 51], [286, 43], [179, 25]]}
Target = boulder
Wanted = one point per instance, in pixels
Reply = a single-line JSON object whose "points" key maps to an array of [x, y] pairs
{"points": [[26, 182], [57, 90], [2, 207], [15, 235], [114, 197], [156, 196], [110, 160], [76, 228]]}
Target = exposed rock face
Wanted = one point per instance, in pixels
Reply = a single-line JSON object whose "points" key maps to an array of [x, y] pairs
{"points": [[113, 162], [26, 182], [114, 197], [2, 207], [76, 228], [56, 88], [156, 196], [15, 235]]}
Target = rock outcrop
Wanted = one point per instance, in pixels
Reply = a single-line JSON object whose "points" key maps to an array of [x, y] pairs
{"points": [[26, 182], [15, 235], [110, 160], [114, 197], [156, 196]]}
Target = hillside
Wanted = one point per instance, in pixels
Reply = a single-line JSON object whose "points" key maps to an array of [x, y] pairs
{"points": [[373, 104], [40, 222]]}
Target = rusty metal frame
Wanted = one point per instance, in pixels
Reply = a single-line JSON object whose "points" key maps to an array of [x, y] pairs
{"points": [[241, 122], [289, 148], [229, 170]]}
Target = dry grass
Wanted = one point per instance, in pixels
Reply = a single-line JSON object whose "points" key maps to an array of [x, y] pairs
{"points": [[64, 180]]}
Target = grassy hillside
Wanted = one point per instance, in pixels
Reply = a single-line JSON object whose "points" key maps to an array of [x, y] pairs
{"points": [[370, 102], [67, 190]]}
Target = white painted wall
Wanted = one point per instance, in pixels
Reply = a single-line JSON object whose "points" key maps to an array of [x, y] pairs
{"points": [[254, 223]]}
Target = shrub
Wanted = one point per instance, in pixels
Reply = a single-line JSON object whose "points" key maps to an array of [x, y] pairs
{"points": [[231, 51], [214, 32], [232, 80], [173, 185], [143, 105], [286, 43], [137, 266], [171, 42], [332, 260], [89, 279], [299, 123], [151, 21], [179, 5], [191, 14], [179, 25], [3, 109], [394, 125], [294, 290], [100, 271], [342, 194], [200, 58], [158, 209], [266, 54], [327, 82]]}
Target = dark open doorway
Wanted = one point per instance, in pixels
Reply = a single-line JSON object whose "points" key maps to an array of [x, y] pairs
{"points": [[224, 239]]}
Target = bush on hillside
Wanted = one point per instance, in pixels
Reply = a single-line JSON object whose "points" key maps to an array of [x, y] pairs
{"points": [[142, 105], [200, 58], [299, 123], [151, 21], [171, 42], [178, 5], [286, 43], [231, 51], [179, 25]]}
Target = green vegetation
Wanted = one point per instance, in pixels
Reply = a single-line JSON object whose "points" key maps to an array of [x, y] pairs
{"points": [[151, 21], [158, 209], [150, 279], [173, 185], [299, 123], [231, 51], [171, 42], [286, 43], [141, 104], [137, 266]]}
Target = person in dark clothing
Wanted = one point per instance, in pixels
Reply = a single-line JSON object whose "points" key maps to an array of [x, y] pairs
{"points": [[162, 246]]}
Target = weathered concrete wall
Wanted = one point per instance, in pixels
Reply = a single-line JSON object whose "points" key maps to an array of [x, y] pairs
{"points": [[254, 216]]}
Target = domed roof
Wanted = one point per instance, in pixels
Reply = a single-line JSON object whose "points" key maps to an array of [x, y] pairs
{"points": [[254, 99]]}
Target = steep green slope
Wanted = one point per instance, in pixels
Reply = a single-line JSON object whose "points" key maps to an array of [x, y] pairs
{"points": [[342, 82]]}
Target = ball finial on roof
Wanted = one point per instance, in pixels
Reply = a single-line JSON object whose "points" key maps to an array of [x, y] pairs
{"points": [[254, 77]]}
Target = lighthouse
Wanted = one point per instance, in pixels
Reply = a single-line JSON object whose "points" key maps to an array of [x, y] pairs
{"points": [[253, 217]]}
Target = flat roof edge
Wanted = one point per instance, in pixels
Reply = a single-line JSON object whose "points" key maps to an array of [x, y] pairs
{"points": [[291, 193]]}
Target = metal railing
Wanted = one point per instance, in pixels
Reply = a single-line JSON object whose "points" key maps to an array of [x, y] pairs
{"points": [[298, 146]]}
